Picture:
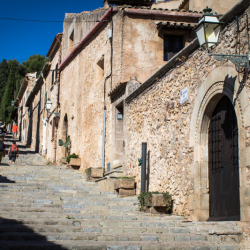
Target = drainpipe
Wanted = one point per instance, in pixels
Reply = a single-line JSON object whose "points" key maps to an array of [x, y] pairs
{"points": [[103, 138]]}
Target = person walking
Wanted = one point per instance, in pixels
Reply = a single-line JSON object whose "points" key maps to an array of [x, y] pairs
{"points": [[2, 149], [14, 131], [13, 152]]}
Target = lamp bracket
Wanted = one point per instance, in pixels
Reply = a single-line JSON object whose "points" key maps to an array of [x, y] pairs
{"points": [[57, 115], [238, 60]]}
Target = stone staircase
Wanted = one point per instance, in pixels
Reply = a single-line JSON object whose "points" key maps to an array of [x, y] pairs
{"points": [[54, 207]]}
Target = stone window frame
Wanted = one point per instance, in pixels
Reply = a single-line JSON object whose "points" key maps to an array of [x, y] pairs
{"points": [[185, 33]]}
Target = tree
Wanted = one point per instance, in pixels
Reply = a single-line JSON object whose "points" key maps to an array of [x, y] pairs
{"points": [[34, 63], [4, 73], [8, 96]]}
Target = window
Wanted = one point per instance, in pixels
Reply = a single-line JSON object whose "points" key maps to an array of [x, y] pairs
{"points": [[172, 45], [100, 69], [71, 41], [54, 75]]}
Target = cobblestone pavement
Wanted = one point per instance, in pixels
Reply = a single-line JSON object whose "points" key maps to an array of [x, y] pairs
{"points": [[54, 207]]}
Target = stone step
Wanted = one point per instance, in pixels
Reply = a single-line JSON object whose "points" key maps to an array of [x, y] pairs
{"points": [[93, 234], [114, 245]]}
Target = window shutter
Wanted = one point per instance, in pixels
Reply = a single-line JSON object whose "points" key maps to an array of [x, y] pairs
{"points": [[52, 77]]}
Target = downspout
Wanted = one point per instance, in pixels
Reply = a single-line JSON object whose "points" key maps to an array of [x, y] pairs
{"points": [[103, 138], [58, 93], [44, 121], [105, 109], [104, 125]]}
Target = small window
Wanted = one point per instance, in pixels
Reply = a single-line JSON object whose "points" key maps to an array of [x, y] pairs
{"points": [[100, 69], [172, 45], [71, 41], [54, 75]]}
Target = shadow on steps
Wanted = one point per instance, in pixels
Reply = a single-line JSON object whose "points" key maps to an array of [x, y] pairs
{"points": [[14, 235], [4, 179]]}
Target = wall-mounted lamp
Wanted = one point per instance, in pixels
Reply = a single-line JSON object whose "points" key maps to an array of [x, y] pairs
{"points": [[48, 107], [48, 104], [119, 116], [12, 103], [208, 32]]}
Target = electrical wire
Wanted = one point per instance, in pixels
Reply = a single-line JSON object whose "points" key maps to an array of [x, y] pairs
{"points": [[44, 21]]}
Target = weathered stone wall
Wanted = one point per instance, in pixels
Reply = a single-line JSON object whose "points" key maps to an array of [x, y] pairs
{"points": [[82, 100], [82, 81], [221, 7], [52, 93], [156, 117], [76, 22]]}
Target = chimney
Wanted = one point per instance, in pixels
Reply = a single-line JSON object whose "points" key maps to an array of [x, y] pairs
{"points": [[106, 4]]}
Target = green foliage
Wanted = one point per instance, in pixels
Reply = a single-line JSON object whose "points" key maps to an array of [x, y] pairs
{"points": [[4, 73], [72, 156], [11, 77], [34, 63], [70, 218], [145, 199], [65, 144], [88, 173], [139, 161]]}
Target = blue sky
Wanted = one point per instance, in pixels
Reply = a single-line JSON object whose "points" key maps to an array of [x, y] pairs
{"points": [[20, 39]]}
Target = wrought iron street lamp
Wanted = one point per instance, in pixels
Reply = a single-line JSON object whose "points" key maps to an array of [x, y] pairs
{"points": [[48, 107], [208, 32], [48, 104]]}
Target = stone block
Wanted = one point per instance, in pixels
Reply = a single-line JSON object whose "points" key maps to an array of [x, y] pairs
{"points": [[75, 162], [158, 200], [63, 160], [124, 183], [128, 192], [96, 172]]}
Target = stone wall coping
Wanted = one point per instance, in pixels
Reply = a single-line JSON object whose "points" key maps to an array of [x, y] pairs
{"points": [[54, 43], [92, 31], [239, 7]]}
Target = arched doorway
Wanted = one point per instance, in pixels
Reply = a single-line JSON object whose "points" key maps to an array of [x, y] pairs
{"points": [[224, 196]]}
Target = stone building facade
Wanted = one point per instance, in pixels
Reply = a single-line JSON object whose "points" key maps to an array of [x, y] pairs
{"points": [[46, 88], [177, 134], [114, 81], [125, 42], [23, 122]]}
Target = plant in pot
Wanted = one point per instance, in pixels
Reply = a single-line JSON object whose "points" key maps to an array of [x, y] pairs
{"points": [[159, 202]]}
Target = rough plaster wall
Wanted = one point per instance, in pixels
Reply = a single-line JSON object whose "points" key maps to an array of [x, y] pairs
{"points": [[168, 4], [221, 6], [82, 99], [156, 117], [80, 28], [52, 92]]}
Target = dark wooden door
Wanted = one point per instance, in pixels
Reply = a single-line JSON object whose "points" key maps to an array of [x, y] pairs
{"points": [[224, 163]]}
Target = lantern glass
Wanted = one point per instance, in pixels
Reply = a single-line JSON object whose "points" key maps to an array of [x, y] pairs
{"points": [[208, 30]]}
